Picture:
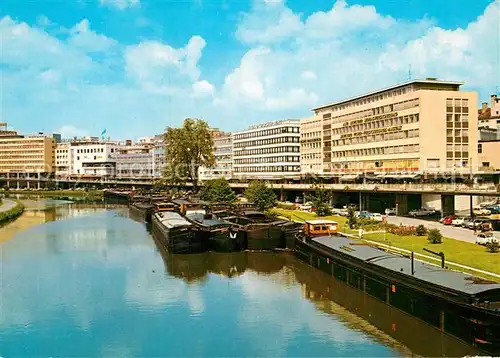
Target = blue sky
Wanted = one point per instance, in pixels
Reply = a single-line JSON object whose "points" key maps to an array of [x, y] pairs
{"points": [[137, 66]]}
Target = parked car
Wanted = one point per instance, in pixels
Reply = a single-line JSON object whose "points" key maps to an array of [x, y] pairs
{"points": [[341, 212], [467, 222], [391, 211], [481, 225], [378, 217], [481, 211], [449, 220], [459, 221], [307, 208], [364, 214], [422, 212], [484, 238], [494, 209]]}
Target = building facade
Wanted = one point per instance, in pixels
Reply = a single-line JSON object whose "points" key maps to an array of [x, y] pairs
{"points": [[93, 158], [159, 156], [223, 153], [489, 156], [134, 161], [311, 145], [26, 154], [63, 159], [421, 126], [267, 151]]}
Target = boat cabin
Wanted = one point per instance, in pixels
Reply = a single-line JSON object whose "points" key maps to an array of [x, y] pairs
{"points": [[190, 206], [320, 227], [164, 206]]}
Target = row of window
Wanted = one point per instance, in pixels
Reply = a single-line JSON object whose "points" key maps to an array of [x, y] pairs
{"points": [[268, 141], [403, 164], [266, 132], [412, 133], [310, 145], [93, 150], [268, 169], [411, 148], [284, 149], [258, 160], [396, 121], [457, 163]]}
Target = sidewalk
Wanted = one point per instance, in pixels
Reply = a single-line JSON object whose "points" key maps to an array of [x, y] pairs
{"points": [[7, 205]]}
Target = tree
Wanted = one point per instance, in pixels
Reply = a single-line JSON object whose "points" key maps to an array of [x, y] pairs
{"points": [[321, 201], [261, 195], [434, 236], [351, 217], [187, 149], [218, 190], [421, 230]]}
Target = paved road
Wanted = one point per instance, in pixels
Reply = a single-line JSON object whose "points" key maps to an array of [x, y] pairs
{"points": [[457, 233], [7, 205]]}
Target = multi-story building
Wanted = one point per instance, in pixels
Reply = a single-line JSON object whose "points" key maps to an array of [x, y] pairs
{"points": [[489, 158], [26, 154], [223, 153], [415, 127], [489, 119], [311, 145], [267, 151], [63, 159], [92, 158], [134, 161], [159, 156]]}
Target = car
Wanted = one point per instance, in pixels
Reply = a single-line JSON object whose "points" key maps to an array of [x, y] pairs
{"points": [[307, 208], [378, 217], [449, 220], [422, 212], [391, 211], [364, 214], [458, 221], [484, 238], [481, 211], [481, 225], [467, 222], [494, 209], [341, 212]]}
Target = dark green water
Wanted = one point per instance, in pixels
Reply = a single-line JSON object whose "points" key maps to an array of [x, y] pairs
{"points": [[89, 281]]}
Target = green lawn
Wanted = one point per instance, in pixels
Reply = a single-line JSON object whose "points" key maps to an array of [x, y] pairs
{"points": [[49, 193], [455, 250]]}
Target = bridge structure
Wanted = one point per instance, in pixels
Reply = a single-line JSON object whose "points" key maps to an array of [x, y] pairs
{"points": [[376, 197]]}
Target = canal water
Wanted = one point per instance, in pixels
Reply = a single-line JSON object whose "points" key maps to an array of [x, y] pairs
{"points": [[86, 280]]}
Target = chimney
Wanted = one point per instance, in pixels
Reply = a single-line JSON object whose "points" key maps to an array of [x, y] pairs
{"points": [[494, 100], [484, 106]]}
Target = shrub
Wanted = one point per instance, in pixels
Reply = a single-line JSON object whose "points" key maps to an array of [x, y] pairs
{"points": [[401, 230], [421, 230], [351, 217], [323, 210], [261, 195], [493, 247], [218, 191], [434, 236], [11, 214]]}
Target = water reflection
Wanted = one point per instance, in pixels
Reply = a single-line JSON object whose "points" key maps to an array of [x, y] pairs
{"points": [[91, 282]]}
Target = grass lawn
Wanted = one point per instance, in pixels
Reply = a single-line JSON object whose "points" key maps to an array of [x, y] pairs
{"points": [[74, 193], [455, 250]]}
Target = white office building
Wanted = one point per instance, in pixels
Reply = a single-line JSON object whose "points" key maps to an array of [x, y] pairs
{"points": [[267, 151], [134, 161], [93, 158], [63, 159]]}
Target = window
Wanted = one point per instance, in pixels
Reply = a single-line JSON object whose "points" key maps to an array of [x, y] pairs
{"points": [[479, 148], [485, 164]]}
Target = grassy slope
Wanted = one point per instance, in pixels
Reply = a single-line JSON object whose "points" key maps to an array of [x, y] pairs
{"points": [[455, 250]]}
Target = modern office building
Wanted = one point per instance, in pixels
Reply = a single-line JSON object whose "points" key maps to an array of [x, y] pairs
{"points": [[267, 151], [26, 154], [311, 145], [223, 153], [489, 156], [63, 159], [93, 158], [420, 126], [159, 156], [135, 161]]}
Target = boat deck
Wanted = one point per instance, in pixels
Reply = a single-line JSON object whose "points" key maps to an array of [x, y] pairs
{"points": [[453, 280]]}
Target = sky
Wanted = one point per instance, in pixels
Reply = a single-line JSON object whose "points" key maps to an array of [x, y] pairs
{"points": [[134, 67]]}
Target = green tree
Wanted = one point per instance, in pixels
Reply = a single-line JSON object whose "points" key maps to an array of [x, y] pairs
{"points": [[434, 236], [187, 149], [321, 200], [261, 195], [218, 191], [351, 217]]}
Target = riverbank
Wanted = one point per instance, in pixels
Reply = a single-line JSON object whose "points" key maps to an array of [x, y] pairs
{"points": [[456, 251], [58, 193], [10, 210]]}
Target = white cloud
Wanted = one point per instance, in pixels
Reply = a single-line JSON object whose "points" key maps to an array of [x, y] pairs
{"points": [[84, 38], [308, 75], [161, 68], [121, 4], [203, 88]]}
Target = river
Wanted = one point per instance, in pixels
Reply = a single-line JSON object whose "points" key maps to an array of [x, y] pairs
{"points": [[86, 280]]}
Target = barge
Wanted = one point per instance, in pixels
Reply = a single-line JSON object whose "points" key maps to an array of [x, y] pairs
{"points": [[143, 210], [115, 196], [175, 234], [460, 305], [218, 235]]}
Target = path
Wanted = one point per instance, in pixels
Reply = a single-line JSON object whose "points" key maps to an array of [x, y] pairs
{"points": [[7, 205], [457, 233]]}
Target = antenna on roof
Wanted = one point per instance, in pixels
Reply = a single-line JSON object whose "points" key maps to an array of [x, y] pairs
{"points": [[409, 72]]}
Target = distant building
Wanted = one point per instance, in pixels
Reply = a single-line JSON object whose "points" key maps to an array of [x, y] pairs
{"points": [[26, 154], [489, 158], [489, 119], [267, 151], [159, 156], [415, 127], [93, 158], [134, 161], [223, 153]]}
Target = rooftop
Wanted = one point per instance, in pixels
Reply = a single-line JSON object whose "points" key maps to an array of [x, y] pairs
{"points": [[431, 81], [321, 222]]}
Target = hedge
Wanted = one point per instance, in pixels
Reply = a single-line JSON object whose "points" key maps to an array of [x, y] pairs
{"points": [[12, 214]]}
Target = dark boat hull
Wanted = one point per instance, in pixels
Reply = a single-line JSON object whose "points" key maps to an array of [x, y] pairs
{"points": [[177, 240], [265, 237], [141, 213], [472, 325]]}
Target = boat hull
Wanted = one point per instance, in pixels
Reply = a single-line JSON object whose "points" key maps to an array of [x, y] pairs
{"points": [[176, 240]]}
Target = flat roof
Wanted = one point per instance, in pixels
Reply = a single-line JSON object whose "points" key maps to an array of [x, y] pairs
{"points": [[319, 222], [427, 81], [454, 280]]}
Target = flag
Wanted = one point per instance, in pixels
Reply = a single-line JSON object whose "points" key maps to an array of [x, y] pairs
{"points": [[103, 132]]}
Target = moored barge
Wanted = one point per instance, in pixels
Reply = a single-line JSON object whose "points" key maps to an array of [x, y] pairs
{"points": [[465, 307], [175, 234]]}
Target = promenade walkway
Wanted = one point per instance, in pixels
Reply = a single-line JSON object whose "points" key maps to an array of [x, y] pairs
{"points": [[7, 205]]}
